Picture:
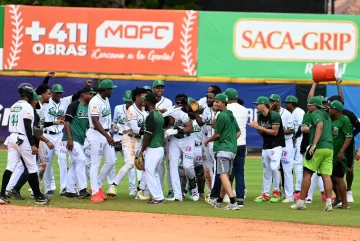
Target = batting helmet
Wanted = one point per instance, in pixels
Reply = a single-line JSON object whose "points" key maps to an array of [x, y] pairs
{"points": [[25, 89]]}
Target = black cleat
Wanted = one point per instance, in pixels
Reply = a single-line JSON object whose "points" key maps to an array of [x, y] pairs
{"points": [[50, 193], [240, 203], [3, 200], [42, 200], [16, 195], [63, 192], [84, 193], [156, 201], [70, 195]]}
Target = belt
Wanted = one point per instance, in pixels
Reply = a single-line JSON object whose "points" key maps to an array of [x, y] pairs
{"points": [[120, 134], [107, 130], [198, 143], [137, 136], [17, 133], [50, 132], [181, 136]]}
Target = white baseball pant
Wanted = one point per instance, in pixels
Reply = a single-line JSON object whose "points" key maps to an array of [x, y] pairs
{"points": [[153, 158], [271, 162], [76, 173], [177, 147], [132, 175], [99, 147], [198, 154], [316, 181], [15, 176], [60, 150], [162, 167], [298, 164], [209, 164], [287, 161]]}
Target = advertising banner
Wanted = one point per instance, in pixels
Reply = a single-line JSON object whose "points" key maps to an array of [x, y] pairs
{"points": [[1, 35], [276, 46], [122, 41]]}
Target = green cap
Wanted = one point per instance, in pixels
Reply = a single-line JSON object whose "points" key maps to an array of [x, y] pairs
{"points": [[222, 98], [322, 98], [336, 105], [316, 100], [231, 93], [35, 96], [262, 100], [151, 97], [274, 97], [147, 87], [190, 99], [57, 88], [158, 83], [291, 99], [127, 96], [107, 84]]}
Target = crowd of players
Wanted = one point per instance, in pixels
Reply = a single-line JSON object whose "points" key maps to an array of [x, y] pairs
{"points": [[201, 151]]}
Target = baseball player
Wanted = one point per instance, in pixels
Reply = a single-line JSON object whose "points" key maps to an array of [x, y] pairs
{"points": [[99, 138], [163, 104], [181, 142], [119, 121], [287, 157], [132, 140], [203, 101], [225, 145], [148, 89], [270, 127], [76, 123], [21, 143], [153, 146], [291, 103]]}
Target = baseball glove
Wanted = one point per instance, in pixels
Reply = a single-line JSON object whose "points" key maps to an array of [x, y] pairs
{"points": [[118, 146], [194, 106], [139, 162]]}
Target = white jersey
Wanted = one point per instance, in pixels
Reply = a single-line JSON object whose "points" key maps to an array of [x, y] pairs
{"points": [[207, 117], [298, 115], [241, 115], [180, 118], [119, 120], [164, 103], [198, 134], [287, 121], [52, 112], [134, 114], [101, 108], [41, 114], [203, 102], [19, 111]]}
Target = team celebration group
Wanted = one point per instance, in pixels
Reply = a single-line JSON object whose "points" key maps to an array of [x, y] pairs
{"points": [[199, 145]]}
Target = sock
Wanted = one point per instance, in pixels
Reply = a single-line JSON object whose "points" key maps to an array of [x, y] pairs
{"points": [[328, 201], [220, 200], [34, 184], [232, 200], [5, 181]]}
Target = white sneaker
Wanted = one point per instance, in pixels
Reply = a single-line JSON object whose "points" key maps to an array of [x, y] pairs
{"points": [[226, 199], [328, 207], [141, 196], [349, 196], [111, 191], [195, 194], [299, 205], [287, 200], [308, 201]]}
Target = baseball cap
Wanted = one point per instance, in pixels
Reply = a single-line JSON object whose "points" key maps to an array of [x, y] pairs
{"points": [[322, 98], [158, 83], [334, 97], [274, 97], [316, 100], [127, 96], [57, 88], [262, 100], [107, 84], [291, 99], [231, 93], [222, 98], [88, 89], [35, 96], [190, 99], [147, 87], [337, 105], [151, 97]]}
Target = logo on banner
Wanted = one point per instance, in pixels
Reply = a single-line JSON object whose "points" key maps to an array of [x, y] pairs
{"points": [[74, 45], [295, 40]]}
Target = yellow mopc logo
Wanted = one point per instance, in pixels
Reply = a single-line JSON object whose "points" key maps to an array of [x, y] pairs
{"points": [[295, 40]]}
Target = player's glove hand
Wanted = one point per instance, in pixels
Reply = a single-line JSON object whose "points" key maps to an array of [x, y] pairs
{"points": [[139, 162], [194, 106], [171, 132]]}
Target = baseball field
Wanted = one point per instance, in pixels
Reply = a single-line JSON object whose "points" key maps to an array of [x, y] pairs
{"points": [[124, 218]]}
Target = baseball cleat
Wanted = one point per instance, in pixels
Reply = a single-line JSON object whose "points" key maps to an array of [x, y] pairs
{"points": [[141, 196], [287, 200], [70, 195], [262, 199], [8, 194], [299, 205], [132, 193], [328, 208], [195, 194], [213, 201], [14, 193], [96, 198], [349, 196], [3, 200], [170, 199], [336, 202], [308, 201], [102, 195], [233, 206], [42, 200], [50, 193], [84, 193], [218, 205], [170, 194], [240, 204], [111, 192], [156, 201], [276, 197], [63, 192]]}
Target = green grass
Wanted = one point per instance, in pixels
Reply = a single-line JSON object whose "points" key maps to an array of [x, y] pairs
{"points": [[261, 211]]}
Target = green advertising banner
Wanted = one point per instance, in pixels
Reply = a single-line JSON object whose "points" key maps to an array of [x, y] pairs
{"points": [[1, 35], [276, 46]]}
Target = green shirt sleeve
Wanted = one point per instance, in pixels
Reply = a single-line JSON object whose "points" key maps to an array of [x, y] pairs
{"points": [[306, 119], [275, 118], [347, 127], [220, 123], [316, 117], [237, 127]]}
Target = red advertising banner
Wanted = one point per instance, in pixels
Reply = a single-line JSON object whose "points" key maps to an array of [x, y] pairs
{"points": [[122, 41]]}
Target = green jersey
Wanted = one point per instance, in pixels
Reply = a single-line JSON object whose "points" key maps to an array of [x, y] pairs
{"points": [[227, 127], [77, 115], [326, 140], [306, 119], [342, 129], [154, 126]]}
